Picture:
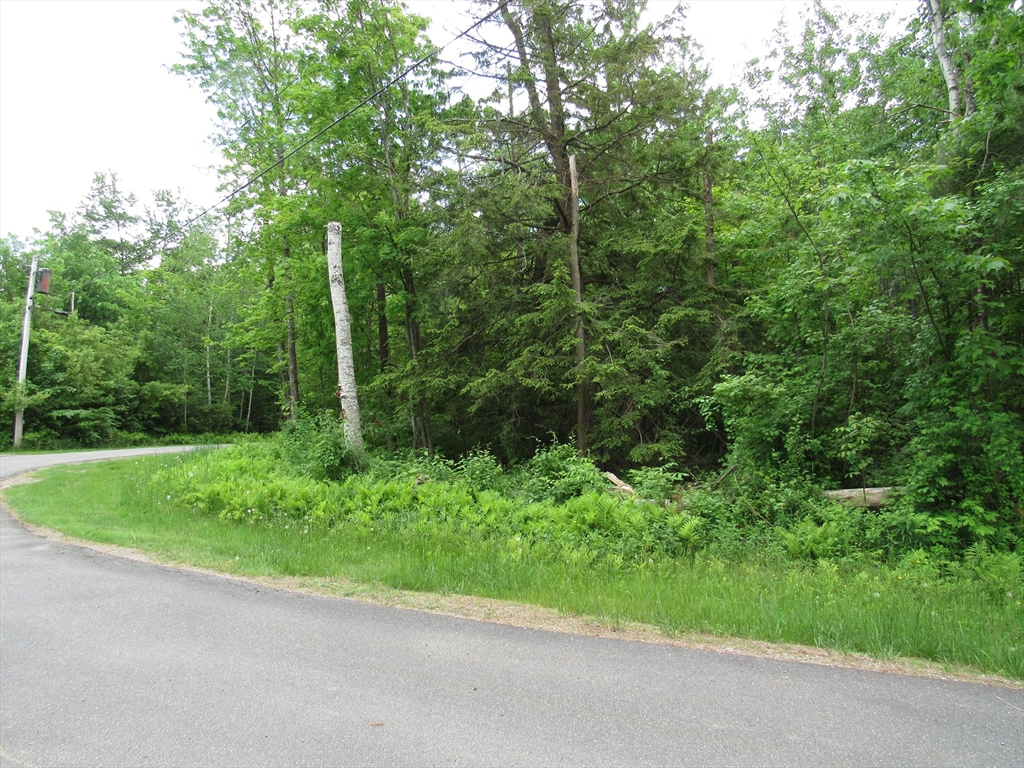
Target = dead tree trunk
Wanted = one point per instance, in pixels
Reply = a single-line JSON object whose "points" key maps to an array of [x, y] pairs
{"points": [[343, 338]]}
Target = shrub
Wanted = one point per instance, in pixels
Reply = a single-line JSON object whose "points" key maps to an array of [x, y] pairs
{"points": [[657, 483], [559, 473], [315, 445], [482, 471]]}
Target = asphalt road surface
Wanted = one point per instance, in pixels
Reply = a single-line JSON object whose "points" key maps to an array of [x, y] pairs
{"points": [[113, 662]]}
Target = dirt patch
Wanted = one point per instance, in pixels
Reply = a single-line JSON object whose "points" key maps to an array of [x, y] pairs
{"points": [[8, 482], [546, 619]]}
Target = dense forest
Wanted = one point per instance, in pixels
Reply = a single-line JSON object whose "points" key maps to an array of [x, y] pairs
{"points": [[815, 274]]}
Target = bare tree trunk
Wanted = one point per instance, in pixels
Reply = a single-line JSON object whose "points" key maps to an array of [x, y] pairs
{"points": [[383, 337], [583, 388], [709, 232], [343, 338], [227, 377], [252, 389], [426, 428], [26, 328], [293, 362], [282, 367], [209, 375]]}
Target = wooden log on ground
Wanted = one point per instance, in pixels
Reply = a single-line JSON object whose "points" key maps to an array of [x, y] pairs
{"points": [[872, 498], [619, 484]]}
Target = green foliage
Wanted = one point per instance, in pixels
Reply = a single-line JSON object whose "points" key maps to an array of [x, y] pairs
{"points": [[559, 473], [315, 445], [836, 532], [659, 484], [857, 439], [923, 607], [483, 471], [905, 386], [968, 473], [272, 483], [832, 298], [999, 573]]}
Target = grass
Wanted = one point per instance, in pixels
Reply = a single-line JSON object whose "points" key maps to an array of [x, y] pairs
{"points": [[870, 610]]}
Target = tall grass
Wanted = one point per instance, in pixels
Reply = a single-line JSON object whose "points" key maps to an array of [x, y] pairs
{"points": [[164, 505]]}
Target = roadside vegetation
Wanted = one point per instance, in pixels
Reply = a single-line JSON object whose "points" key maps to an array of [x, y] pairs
{"points": [[37, 443], [730, 297], [776, 563]]}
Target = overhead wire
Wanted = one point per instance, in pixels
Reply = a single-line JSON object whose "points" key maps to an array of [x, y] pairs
{"points": [[291, 153]]}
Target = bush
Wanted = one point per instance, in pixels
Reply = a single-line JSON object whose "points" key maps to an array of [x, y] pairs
{"points": [[481, 470], [557, 506], [315, 446], [657, 483], [559, 473]]}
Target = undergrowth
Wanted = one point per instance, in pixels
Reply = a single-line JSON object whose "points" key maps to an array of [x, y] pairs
{"points": [[772, 561]]}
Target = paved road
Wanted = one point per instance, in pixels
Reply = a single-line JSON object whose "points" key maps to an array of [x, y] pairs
{"points": [[106, 661]]}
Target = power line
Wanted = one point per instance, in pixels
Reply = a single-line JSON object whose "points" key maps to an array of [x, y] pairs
{"points": [[347, 114]]}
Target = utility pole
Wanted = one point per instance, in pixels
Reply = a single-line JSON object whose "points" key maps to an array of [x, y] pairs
{"points": [[26, 326]]}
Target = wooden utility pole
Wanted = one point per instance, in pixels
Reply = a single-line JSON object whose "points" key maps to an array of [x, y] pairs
{"points": [[26, 326], [343, 338]]}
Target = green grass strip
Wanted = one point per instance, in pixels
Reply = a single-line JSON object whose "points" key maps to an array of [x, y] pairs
{"points": [[872, 610]]}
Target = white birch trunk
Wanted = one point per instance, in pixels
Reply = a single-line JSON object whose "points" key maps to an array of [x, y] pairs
{"points": [[343, 336], [938, 21]]}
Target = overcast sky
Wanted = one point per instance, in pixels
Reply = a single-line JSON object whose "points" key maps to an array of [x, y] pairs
{"points": [[84, 88]]}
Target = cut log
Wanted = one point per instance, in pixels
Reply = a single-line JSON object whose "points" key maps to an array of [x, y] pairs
{"points": [[619, 485], [872, 498]]}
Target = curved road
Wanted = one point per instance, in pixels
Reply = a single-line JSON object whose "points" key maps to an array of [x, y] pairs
{"points": [[107, 661]]}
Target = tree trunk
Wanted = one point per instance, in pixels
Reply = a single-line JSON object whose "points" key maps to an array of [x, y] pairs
{"points": [[871, 498], [209, 374], [583, 388], [184, 380], [293, 362], [421, 420], [709, 218], [384, 346], [227, 377], [383, 338], [282, 366], [937, 17], [343, 338], [252, 390], [709, 233]]}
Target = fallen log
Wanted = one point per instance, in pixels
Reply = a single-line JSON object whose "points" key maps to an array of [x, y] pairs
{"points": [[621, 486], [872, 498]]}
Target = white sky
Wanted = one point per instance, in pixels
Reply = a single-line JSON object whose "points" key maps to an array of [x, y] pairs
{"points": [[84, 88]]}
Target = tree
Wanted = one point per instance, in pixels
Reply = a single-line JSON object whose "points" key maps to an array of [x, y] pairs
{"points": [[879, 299], [347, 394], [626, 101], [242, 53]]}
